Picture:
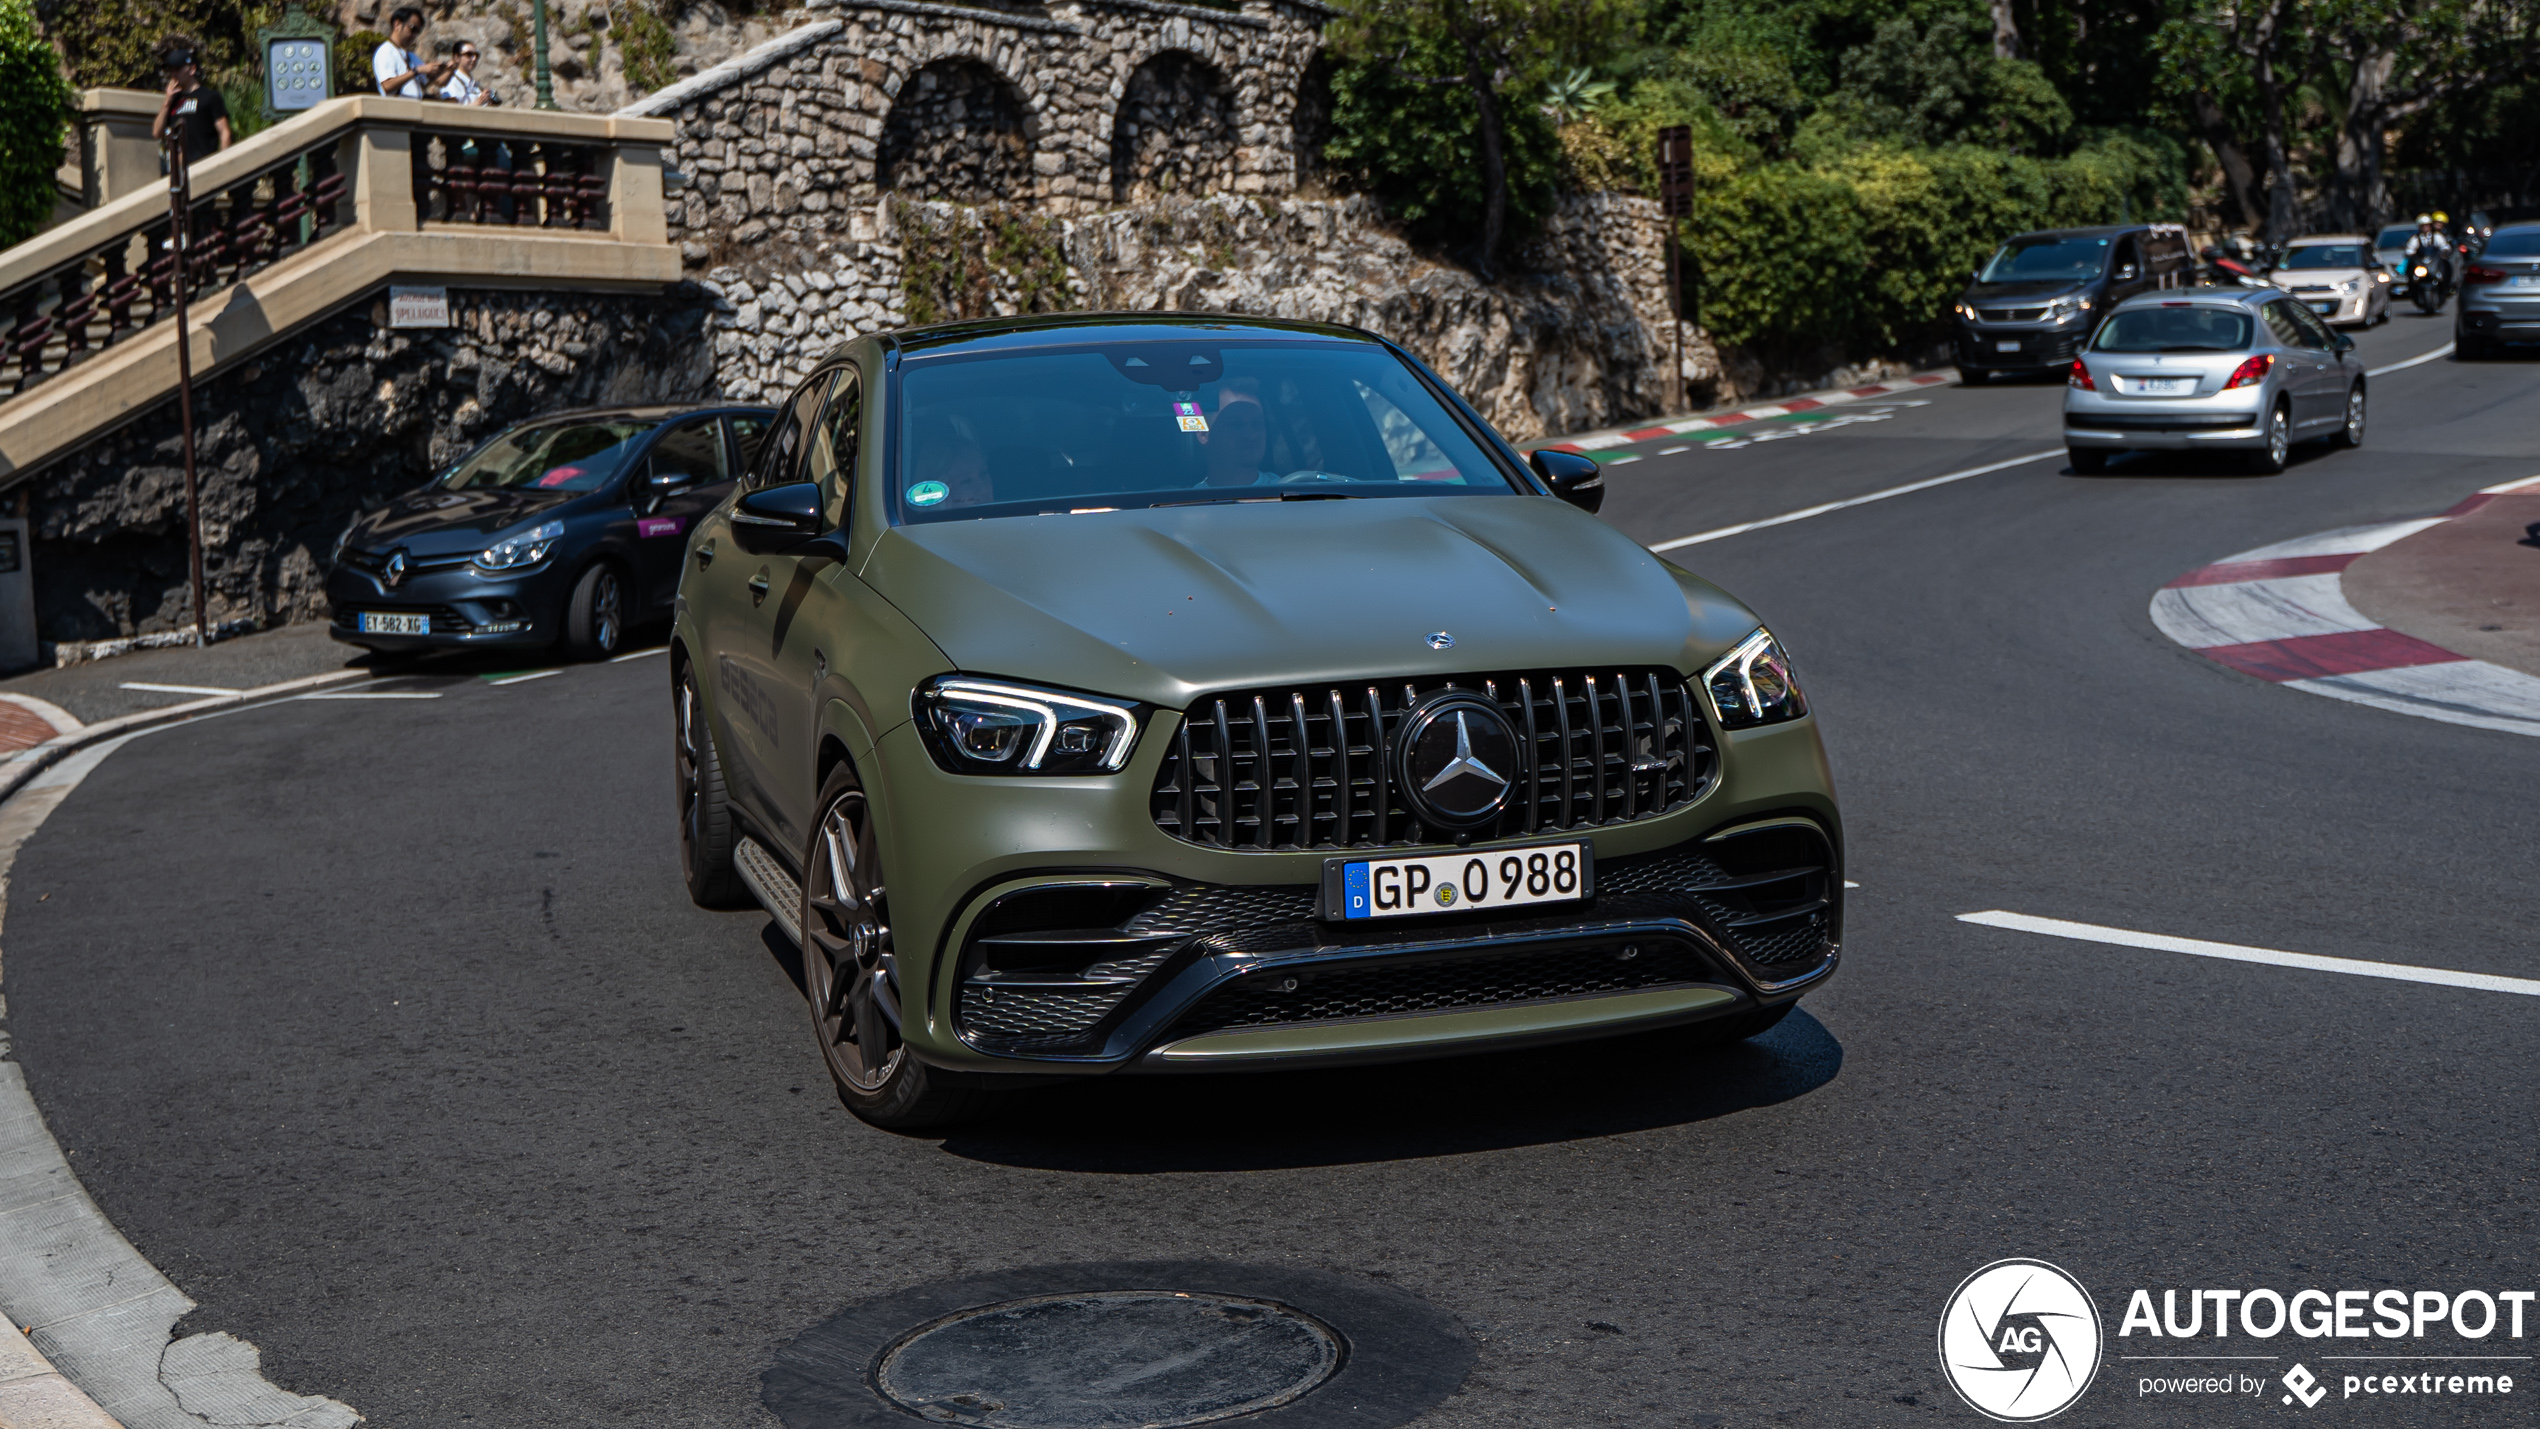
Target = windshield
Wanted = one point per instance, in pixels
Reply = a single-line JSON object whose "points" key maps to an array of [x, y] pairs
{"points": [[2180, 329], [1172, 422], [2045, 260], [2325, 255], [579, 455], [2394, 237], [2514, 243]]}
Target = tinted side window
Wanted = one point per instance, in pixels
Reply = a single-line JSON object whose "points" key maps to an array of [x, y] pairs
{"points": [[695, 449], [781, 455], [748, 435], [2314, 332], [831, 457], [2281, 322], [2128, 259]]}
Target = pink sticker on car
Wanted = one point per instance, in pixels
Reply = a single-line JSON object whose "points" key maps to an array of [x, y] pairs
{"points": [[661, 525]]}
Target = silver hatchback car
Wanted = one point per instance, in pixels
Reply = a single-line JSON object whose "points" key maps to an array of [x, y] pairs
{"points": [[2245, 370]]}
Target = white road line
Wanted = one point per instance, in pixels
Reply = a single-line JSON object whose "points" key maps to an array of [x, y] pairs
{"points": [[1671, 451], [376, 695], [638, 654], [2197, 947], [181, 689], [532, 675], [1788, 517], [2509, 488], [2444, 351]]}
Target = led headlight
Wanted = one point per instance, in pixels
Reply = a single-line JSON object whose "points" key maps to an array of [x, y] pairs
{"points": [[526, 549], [990, 727], [2350, 285], [1752, 684], [2065, 309]]}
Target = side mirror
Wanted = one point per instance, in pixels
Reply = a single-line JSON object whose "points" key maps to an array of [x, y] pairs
{"points": [[1572, 477], [2126, 274], [2342, 341], [663, 482], [778, 518]]}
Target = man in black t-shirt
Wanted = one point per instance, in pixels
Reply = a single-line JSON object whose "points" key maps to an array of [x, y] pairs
{"points": [[196, 111]]}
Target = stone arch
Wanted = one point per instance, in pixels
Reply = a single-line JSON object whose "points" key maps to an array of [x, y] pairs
{"points": [[957, 130], [1174, 131]]}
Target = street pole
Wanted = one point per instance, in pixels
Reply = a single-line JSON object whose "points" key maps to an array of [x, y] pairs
{"points": [[546, 77], [1675, 202], [179, 244]]}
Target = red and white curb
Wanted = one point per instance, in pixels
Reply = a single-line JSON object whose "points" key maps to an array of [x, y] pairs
{"points": [[2280, 613], [1619, 437]]}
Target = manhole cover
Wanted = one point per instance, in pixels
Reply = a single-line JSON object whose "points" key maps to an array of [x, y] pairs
{"points": [[1117, 1359]]}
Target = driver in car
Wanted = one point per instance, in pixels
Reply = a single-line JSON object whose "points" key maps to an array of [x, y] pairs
{"points": [[1238, 437]]}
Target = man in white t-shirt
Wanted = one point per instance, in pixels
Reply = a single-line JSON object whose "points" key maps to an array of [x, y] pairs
{"points": [[401, 72], [463, 87]]}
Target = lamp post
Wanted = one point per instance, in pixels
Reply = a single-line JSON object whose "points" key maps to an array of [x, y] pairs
{"points": [[180, 224], [538, 54]]}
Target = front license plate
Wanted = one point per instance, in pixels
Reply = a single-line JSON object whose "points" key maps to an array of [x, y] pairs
{"points": [[2009, 346], [381, 623], [1457, 882], [2323, 308]]}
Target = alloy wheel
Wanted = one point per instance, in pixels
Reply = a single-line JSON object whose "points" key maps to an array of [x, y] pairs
{"points": [[848, 965], [684, 747], [2279, 438], [605, 599], [2355, 418]]}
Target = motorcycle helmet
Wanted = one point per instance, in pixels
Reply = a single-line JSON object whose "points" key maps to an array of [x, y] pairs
{"points": [[2424, 219], [2441, 217]]}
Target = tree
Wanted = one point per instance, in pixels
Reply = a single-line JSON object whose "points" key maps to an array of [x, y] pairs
{"points": [[33, 98], [1494, 54], [2387, 60], [2233, 65]]}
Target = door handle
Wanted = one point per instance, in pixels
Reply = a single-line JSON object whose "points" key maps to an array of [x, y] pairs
{"points": [[758, 587], [705, 555]]}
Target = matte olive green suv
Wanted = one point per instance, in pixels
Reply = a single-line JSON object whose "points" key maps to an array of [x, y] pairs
{"points": [[1109, 694]]}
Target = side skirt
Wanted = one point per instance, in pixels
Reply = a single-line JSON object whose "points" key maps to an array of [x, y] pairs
{"points": [[775, 889]]}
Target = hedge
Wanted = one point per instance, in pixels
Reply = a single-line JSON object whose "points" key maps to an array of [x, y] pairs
{"points": [[33, 96]]}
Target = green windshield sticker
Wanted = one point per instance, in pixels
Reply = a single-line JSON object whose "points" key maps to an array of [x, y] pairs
{"points": [[927, 493]]}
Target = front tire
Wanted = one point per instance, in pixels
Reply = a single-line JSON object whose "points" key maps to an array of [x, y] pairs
{"points": [[1973, 377], [851, 973], [2279, 447], [595, 617], [2352, 434], [2088, 461], [706, 835]]}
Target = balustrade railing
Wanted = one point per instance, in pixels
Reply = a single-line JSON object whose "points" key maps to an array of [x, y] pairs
{"points": [[511, 182], [76, 309]]}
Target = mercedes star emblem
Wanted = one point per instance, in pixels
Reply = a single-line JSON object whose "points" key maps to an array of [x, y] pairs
{"points": [[1441, 641], [1464, 762]]}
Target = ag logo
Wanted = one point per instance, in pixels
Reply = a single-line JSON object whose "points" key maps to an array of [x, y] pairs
{"points": [[2019, 1341]]}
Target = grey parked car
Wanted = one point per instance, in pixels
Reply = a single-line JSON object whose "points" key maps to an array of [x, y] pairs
{"points": [[2500, 293], [2246, 370]]}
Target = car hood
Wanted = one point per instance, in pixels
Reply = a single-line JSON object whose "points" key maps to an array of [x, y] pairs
{"points": [[432, 522], [2287, 277], [1163, 605], [1997, 292]]}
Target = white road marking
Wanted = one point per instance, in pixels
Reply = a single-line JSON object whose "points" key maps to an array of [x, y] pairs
{"points": [[532, 675], [1623, 461], [1671, 451], [2508, 488], [1787, 517], [2344, 541], [2444, 351], [2242, 612], [640, 654], [376, 695], [2234, 952], [181, 689]]}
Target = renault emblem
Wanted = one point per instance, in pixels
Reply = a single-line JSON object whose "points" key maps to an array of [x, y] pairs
{"points": [[394, 573]]}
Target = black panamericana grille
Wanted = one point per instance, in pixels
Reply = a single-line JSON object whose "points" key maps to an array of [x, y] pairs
{"points": [[2011, 315], [1310, 766]]}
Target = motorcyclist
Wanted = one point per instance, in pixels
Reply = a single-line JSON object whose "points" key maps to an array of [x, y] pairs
{"points": [[2434, 246]]}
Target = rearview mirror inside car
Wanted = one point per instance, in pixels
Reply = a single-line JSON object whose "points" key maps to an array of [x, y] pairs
{"points": [[778, 518], [1572, 477]]}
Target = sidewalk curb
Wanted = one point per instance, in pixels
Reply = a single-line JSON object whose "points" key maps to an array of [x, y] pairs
{"points": [[1604, 437], [34, 1393], [2280, 614], [16, 769]]}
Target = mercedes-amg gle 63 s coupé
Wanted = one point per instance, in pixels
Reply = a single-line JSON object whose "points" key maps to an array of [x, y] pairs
{"points": [[1100, 694]]}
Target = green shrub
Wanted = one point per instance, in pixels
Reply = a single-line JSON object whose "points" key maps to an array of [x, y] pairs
{"points": [[353, 74], [1417, 146], [646, 43], [33, 95], [112, 42]]}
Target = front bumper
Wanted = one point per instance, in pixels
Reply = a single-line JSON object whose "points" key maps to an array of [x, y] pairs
{"points": [[2032, 347], [466, 609], [2338, 309], [1121, 948]]}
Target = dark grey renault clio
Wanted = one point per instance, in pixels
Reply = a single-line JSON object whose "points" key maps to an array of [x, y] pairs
{"points": [[565, 530]]}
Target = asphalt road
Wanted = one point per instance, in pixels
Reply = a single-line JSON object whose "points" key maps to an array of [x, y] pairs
{"points": [[385, 1029]]}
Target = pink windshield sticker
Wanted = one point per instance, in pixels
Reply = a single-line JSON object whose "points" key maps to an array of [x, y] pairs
{"points": [[661, 525], [558, 476]]}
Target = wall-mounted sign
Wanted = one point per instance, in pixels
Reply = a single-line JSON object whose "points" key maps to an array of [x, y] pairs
{"points": [[418, 307], [295, 75]]}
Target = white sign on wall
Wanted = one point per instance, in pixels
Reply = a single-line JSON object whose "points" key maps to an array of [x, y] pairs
{"points": [[418, 307]]}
